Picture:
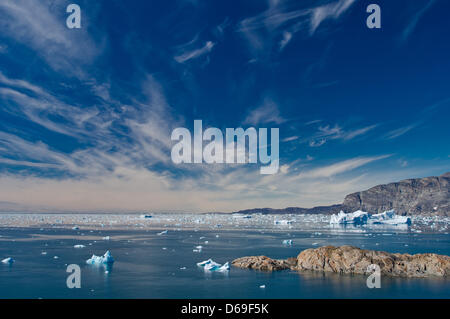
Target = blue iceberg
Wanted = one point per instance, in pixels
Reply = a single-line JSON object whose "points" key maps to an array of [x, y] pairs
{"points": [[211, 265], [101, 260]]}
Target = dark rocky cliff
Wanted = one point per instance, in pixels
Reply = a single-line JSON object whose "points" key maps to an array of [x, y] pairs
{"points": [[428, 195]]}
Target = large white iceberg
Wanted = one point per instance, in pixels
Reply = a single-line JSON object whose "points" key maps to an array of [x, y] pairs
{"points": [[211, 265], [389, 218], [101, 260], [359, 218]]}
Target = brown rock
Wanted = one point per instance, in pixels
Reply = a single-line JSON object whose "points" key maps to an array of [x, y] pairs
{"points": [[353, 260], [261, 263]]}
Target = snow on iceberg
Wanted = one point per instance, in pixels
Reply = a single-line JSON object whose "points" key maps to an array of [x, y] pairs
{"points": [[211, 265], [8, 260], [101, 260], [358, 217]]}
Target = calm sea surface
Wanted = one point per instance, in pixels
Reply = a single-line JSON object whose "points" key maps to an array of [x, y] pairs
{"points": [[149, 265]]}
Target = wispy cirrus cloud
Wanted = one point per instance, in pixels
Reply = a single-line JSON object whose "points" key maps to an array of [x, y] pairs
{"points": [[37, 24], [187, 54], [278, 24], [336, 132], [399, 131], [414, 21], [268, 112], [340, 167]]}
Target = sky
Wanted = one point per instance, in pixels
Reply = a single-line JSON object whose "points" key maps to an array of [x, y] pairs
{"points": [[86, 114]]}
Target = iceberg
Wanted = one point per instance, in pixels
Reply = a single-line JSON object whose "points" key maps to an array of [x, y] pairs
{"points": [[101, 260], [211, 265], [162, 233], [287, 242], [389, 218], [79, 246], [145, 216], [8, 260], [358, 217]]}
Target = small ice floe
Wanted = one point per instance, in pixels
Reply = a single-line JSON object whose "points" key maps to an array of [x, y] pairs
{"points": [[79, 246], [75, 228], [262, 286], [198, 249], [282, 222], [106, 238], [182, 268], [145, 216], [55, 257], [358, 217], [287, 242], [315, 244], [44, 253], [8, 260], [211, 265], [162, 233], [101, 260]]}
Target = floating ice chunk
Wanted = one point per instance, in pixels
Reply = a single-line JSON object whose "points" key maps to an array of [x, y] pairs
{"points": [[75, 228], [101, 260], [358, 217], [211, 265], [79, 246], [8, 260], [282, 222], [163, 232], [209, 261], [262, 286], [106, 238], [145, 216], [225, 267], [287, 242]]}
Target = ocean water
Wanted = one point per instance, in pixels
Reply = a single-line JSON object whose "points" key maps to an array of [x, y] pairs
{"points": [[149, 265]]}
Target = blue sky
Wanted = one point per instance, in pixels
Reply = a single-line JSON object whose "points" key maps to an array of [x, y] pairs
{"points": [[86, 114]]}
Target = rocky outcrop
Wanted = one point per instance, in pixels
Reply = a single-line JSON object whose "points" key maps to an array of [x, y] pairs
{"points": [[262, 263], [353, 260], [429, 195]]}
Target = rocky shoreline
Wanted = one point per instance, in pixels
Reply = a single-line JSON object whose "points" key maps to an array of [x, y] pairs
{"points": [[353, 260]]}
